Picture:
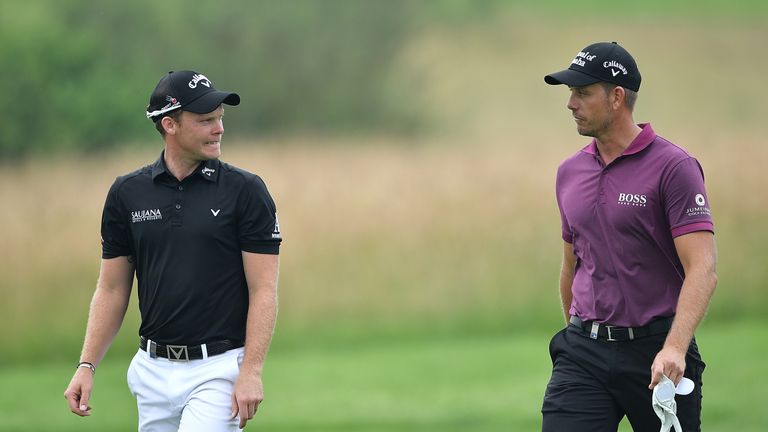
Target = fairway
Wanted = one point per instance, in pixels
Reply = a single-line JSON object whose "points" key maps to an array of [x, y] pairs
{"points": [[481, 383]]}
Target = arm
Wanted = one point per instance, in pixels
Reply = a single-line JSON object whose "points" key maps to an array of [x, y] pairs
{"points": [[566, 279], [261, 275], [108, 307], [698, 255]]}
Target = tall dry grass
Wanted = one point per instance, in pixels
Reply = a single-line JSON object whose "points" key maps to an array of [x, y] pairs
{"points": [[376, 236], [372, 233], [455, 231]]}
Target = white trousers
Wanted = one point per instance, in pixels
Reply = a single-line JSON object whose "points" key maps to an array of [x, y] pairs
{"points": [[191, 396]]}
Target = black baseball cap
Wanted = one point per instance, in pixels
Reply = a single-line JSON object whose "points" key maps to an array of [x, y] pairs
{"points": [[188, 90], [599, 62]]}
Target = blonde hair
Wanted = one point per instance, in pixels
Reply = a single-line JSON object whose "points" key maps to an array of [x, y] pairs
{"points": [[175, 115]]}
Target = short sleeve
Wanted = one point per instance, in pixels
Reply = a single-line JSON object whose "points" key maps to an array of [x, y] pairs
{"points": [[686, 200], [258, 227], [115, 233], [565, 227]]}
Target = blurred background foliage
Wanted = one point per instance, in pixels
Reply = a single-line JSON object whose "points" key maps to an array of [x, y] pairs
{"points": [[77, 73], [80, 71]]}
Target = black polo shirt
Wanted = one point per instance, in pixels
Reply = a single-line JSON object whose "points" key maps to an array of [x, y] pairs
{"points": [[186, 238]]}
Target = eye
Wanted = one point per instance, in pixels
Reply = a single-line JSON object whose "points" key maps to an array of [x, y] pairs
{"points": [[578, 91]]}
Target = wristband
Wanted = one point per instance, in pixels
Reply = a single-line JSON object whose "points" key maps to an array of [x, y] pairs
{"points": [[88, 365]]}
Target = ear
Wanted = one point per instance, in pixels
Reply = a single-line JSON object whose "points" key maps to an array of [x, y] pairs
{"points": [[618, 94], [169, 125]]}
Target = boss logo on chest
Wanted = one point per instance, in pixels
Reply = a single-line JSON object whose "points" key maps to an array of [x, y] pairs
{"points": [[630, 199]]}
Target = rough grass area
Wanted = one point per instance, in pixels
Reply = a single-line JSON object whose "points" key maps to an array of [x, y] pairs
{"points": [[376, 239], [457, 229]]}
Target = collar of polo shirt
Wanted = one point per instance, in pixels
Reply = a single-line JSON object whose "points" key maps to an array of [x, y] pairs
{"points": [[208, 170], [643, 140]]}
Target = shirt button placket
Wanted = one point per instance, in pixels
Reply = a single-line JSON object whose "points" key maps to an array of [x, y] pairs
{"points": [[177, 215], [601, 196]]}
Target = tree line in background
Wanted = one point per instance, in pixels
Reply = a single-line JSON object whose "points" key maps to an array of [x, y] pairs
{"points": [[77, 74]]}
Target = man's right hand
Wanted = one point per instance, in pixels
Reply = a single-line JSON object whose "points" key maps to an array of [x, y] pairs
{"points": [[79, 392]]}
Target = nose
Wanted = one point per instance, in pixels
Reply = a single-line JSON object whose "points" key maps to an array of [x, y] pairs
{"points": [[572, 103], [219, 127]]}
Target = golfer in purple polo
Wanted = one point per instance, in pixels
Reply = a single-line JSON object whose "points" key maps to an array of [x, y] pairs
{"points": [[639, 258]]}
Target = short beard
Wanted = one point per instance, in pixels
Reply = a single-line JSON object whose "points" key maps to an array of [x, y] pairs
{"points": [[600, 129], [595, 132]]}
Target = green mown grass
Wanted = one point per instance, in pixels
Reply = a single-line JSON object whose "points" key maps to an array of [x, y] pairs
{"points": [[480, 383]]}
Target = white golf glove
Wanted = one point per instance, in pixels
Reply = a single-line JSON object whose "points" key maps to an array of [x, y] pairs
{"points": [[664, 405]]}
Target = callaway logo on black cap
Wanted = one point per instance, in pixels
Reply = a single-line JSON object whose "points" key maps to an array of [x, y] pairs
{"points": [[189, 90], [599, 62]]}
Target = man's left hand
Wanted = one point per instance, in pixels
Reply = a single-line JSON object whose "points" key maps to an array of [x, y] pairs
{"points": [[670, 362], [247, 394]]}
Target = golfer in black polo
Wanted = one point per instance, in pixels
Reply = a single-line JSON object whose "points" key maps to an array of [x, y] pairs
{"points": [[202, 238]]}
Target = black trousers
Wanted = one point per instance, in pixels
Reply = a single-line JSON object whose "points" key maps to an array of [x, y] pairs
{"points": [[595, 383]]}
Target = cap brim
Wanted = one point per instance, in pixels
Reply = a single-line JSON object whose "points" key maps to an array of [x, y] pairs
{"points": [[571, 78], [210, 101]]}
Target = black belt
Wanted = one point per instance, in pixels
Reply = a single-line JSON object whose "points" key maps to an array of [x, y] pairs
{"points": [[187, 352], [612, 333]]}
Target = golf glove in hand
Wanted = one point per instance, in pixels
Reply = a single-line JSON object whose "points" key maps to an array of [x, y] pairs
{"points": [[664, 405]]}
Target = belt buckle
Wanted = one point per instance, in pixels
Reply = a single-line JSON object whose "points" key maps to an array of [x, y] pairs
{"points": [[630, 333], [177, 352]]}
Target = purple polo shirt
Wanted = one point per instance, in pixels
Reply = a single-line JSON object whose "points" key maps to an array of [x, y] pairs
{"points": [[622, 219]]}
